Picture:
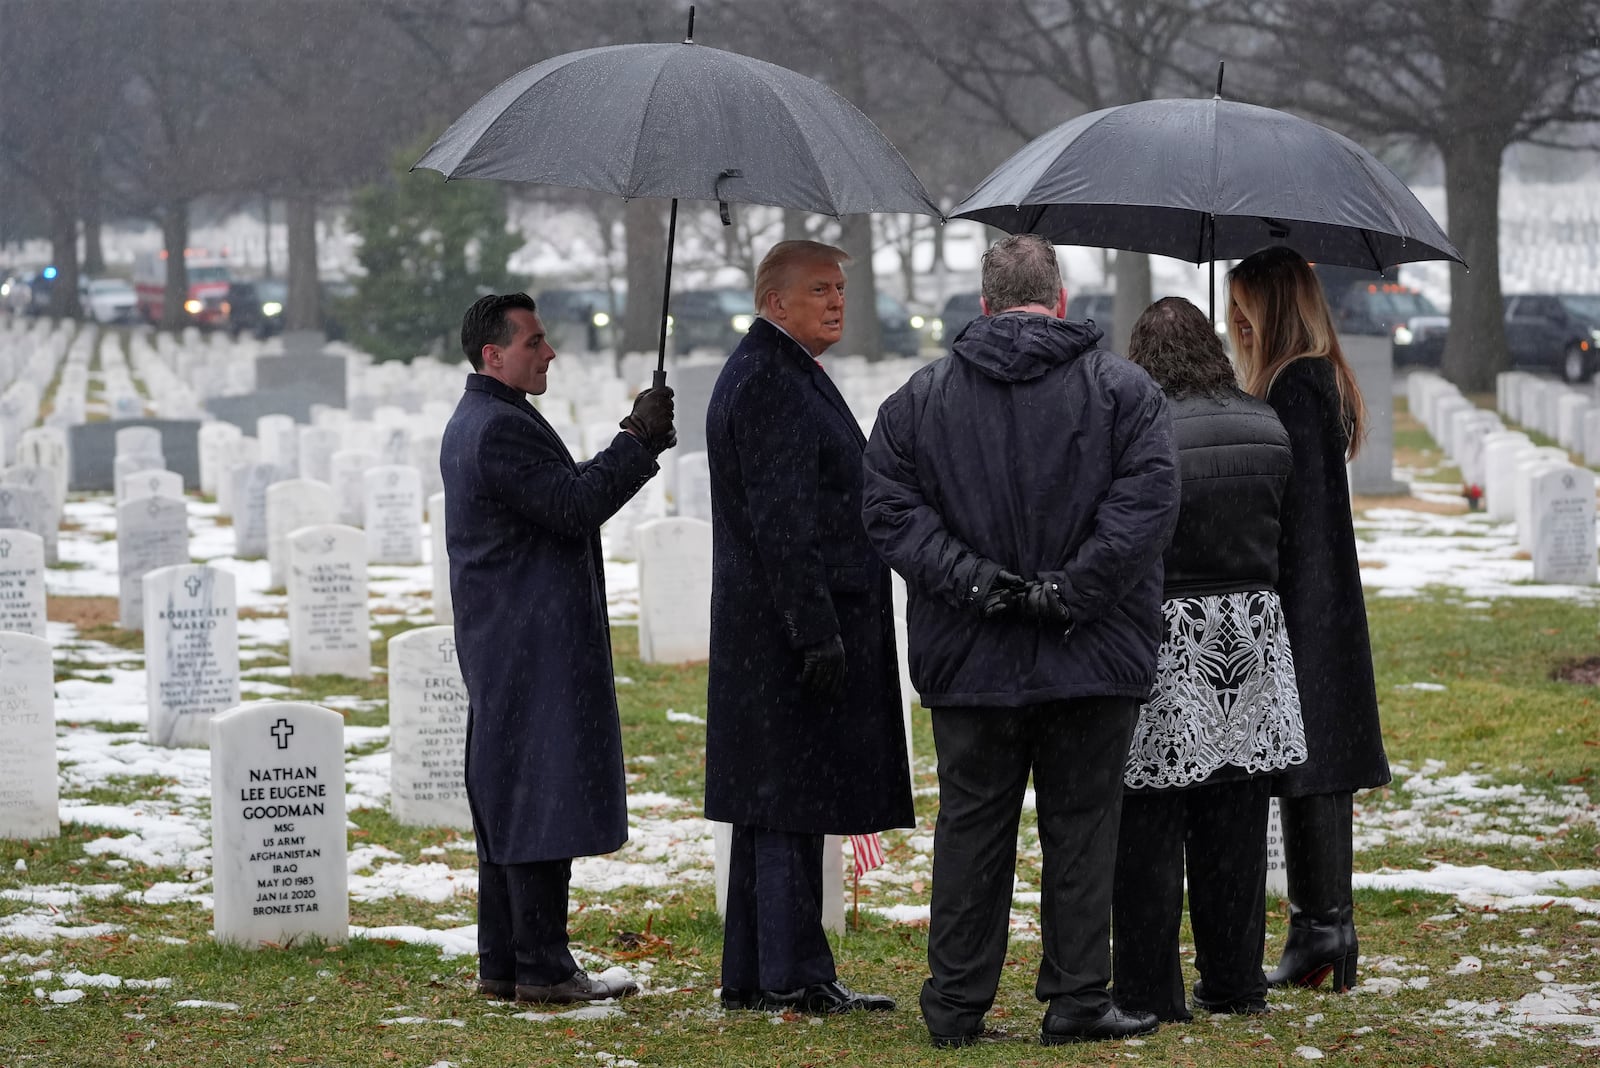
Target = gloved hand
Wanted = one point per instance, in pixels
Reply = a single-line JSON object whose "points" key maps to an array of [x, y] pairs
{"points": [[1041, 602], [651, 419], [822, 669], [1003, 594]]}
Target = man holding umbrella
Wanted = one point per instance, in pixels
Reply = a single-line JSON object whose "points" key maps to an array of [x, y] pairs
{"points": [[544, 743], [1025, 486], [804, 728]]}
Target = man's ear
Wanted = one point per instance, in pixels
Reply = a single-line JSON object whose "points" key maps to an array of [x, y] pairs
{"points": [[1061, 303], [983, 304], [485, 353]]}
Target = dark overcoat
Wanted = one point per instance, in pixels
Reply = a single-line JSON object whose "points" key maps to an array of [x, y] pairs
{"points": [[522, 526], [1319, 583], [792, 566]]}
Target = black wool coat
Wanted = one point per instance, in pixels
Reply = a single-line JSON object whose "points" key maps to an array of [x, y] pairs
{"points": [[792, 566], [1319, 583], [1032, 449], [522, 527]]}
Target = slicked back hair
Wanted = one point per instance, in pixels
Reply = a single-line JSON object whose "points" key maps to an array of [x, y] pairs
{"points": [[780, 261], [1021, 269], [1280, 295], [487, 322], [1174, 343]]}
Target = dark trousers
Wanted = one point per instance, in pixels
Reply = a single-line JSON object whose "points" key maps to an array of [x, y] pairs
{"points": [[1318, 853], [1220, 833], [772, 936], [522, 922], [1076, 751]]}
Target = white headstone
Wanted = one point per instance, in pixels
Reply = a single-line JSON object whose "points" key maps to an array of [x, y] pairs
{"points": [[1570, 410], [239, 451], [191, 651], [279, 442], [1591, 436], [349, 472], [26, 508], [692, 490], [443, 607], [28, 771], [138, 441], [215, 440], [250, 482], [394, 445], [292, 504], [151, 482], [151, 532], [832, 874], [1563, 523], [674, 590], [278, 824], [123, 466], [427, 730], [1277, 862], [328, 614], [46, 446], [1501, 454], [393, 514], [22, 604]]}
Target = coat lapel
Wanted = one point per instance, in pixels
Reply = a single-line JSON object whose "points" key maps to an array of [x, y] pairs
{"points": [[809, 367]]}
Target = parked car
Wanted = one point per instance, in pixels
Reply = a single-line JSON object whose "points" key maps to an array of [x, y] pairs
{"points": [[959, 310], [1560, 331], [108, 300], [1091, 305], [1368, 303], [713, 319], [897, 329], [256, 307], [581, 320]]}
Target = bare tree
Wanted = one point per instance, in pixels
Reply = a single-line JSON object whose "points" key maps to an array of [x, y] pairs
{"points": [[1470, 78]]}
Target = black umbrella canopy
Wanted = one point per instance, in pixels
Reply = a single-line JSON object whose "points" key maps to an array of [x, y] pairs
{"points": [[1203, 180], [681, 121]]}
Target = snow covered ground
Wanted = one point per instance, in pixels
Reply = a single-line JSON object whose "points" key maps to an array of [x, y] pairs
{"points": [[1403, 552]]}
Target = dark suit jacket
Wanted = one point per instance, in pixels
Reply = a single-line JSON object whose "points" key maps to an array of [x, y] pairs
{"points": [[792, 566], [522, 526]]}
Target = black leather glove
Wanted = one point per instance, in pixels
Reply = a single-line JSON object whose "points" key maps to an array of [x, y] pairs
{"points": [[1003, 594], [1041, 602], [822, 669], [651, 419]]}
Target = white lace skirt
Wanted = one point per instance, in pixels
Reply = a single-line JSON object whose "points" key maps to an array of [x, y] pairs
{"points": [[1224, 694]]}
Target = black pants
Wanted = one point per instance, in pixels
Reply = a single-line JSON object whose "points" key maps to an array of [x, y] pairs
{"points": [[1318, 852], [772, 936], [1220, 833], [522, 922], [1076, 751]]}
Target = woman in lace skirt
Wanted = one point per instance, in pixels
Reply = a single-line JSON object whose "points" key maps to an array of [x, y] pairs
{"points": [[1224, 714]]}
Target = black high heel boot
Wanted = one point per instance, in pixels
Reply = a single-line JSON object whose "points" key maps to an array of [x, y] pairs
{"points": [[1317, 839]]}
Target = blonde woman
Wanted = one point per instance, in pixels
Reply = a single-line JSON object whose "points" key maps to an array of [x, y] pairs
{"points": [[1288, 355]]}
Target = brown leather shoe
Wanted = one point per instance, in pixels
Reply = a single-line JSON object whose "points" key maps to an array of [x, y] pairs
{"points": [[500, 989], [579, 986]]}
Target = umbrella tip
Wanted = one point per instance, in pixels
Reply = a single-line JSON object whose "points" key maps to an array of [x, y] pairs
{"points": [[689, 37], [1220, 65]]}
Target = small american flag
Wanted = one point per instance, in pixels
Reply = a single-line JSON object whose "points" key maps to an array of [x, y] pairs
{"points": [[867, 849]]}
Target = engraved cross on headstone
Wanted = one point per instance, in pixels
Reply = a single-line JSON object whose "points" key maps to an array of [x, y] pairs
{"points": [[193, 584], [5, 548], [447, 649], [281, 730]]}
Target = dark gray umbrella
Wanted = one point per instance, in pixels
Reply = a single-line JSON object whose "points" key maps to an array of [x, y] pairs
{"points": [[1203, 180], [682, 121]]}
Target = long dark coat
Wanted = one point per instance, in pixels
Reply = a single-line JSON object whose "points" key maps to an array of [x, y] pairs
{"points": [[522, 525], [1319, 583], [791, 566]]}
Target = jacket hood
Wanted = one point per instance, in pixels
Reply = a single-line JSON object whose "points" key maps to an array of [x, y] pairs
{"points": [[1018, 346]]}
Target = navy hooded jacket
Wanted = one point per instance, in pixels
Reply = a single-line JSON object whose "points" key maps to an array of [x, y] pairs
{"points": [[1031, 449]]}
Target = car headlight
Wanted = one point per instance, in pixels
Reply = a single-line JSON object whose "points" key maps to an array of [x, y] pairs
{"points": [[918, 322], [936, 329], [192, 306], [600, 319], [1593, 333], [742, 322], [271, 307], [1402, 335]]}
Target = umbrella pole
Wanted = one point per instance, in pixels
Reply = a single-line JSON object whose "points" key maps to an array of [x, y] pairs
{"points": [[660, 377]]}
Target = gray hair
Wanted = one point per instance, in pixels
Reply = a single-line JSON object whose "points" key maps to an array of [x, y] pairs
{"points": [[1021, 269]]}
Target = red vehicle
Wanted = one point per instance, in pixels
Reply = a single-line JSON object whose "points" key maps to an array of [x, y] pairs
{"points": [[208, 286]]}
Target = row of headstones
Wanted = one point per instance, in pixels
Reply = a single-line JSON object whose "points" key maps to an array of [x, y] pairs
{"points": [[1550, 499], [1569, 415], [32, 364]]}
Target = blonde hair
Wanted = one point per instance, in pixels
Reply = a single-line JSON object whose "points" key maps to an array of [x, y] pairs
{"points": [[779, 263], [1280, 296]]}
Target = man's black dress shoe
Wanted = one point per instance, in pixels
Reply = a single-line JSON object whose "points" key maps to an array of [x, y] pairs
{"points": [[733, 998], [579, 986], [1113, 1023], [500, 989], [832, 997]]}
